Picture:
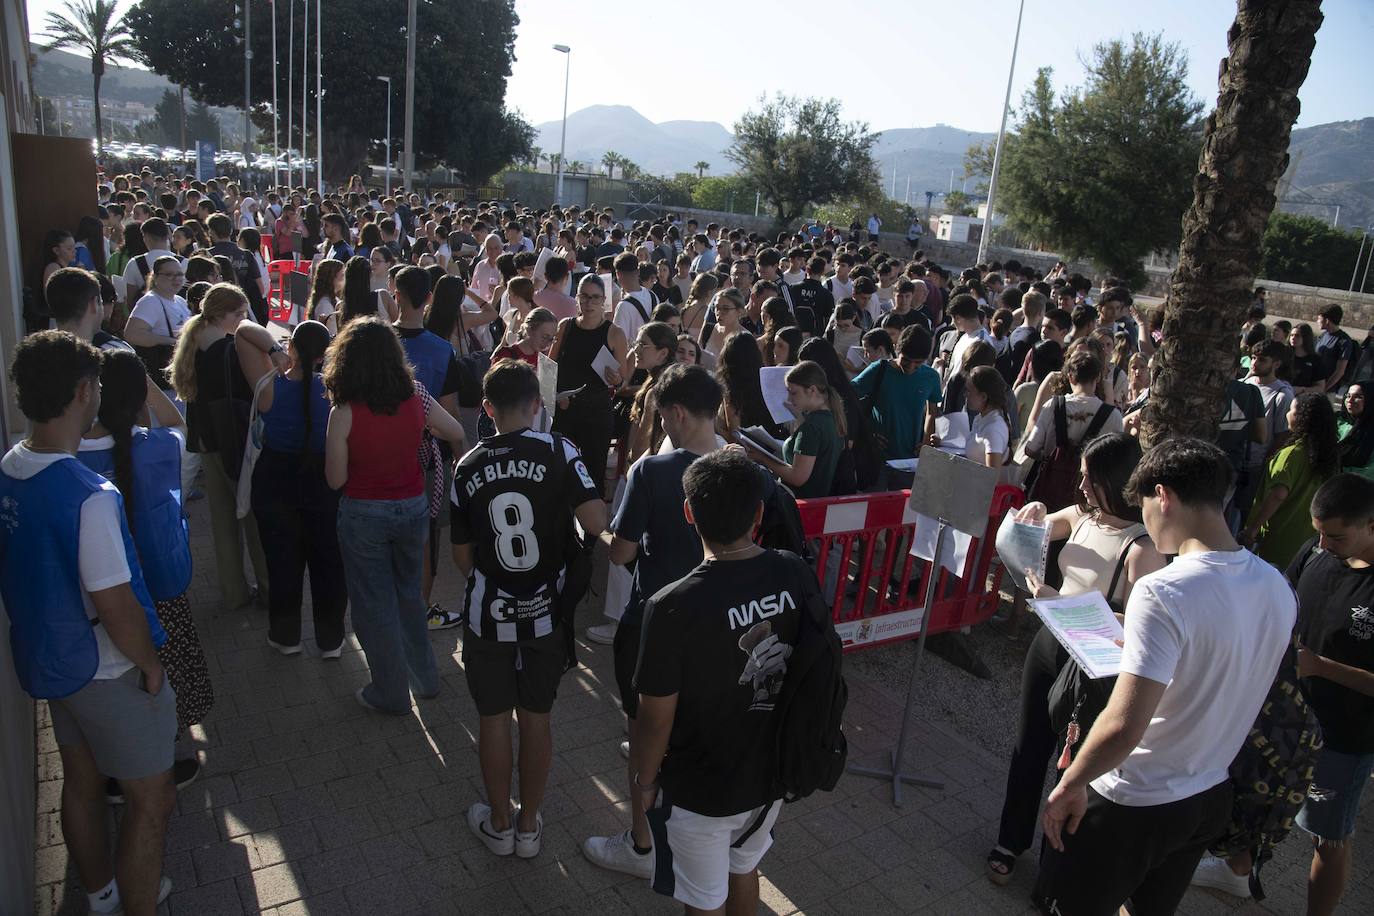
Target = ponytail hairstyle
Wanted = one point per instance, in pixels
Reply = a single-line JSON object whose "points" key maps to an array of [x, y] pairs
{"points": [[325, 285], [123, 392], [310, 340], [222, 299], [808, 374]]}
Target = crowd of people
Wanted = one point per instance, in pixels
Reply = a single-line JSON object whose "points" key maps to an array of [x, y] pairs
{"points": [[547, 383]]}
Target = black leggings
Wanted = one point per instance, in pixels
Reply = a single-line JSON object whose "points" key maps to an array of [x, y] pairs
{"points": [[1035, 743]]}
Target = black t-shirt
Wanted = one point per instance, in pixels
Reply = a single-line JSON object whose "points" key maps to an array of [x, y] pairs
{"points": [[246, 272], [1022, 340], [811, 293], [651, 514], [1336, 620], [1306, 370], [1331, 349], [513, 497], [908, 318], [720, 638]]}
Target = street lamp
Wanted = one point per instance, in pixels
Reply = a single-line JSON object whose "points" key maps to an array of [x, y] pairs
{"points": [[387, 80], [563, 140], [1001, 137]]}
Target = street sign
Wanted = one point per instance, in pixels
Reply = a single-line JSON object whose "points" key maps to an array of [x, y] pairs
{"points": [[205, 160]]}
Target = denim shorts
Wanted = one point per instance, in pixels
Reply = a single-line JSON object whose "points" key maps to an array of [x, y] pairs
{"points": [[1334, 799]]}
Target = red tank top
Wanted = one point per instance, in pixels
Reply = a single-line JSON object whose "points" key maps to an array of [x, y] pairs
{"points": [[383, 452]]}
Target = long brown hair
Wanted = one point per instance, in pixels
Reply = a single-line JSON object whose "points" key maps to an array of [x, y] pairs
{"points": [[326, 280], [808, 374], [365, 363], [222, 299]]}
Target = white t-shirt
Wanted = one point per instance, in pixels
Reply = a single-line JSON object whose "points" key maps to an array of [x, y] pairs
{"points": [[163, 316], [100, 551], [1278, 397], [840, 289], [628, 318], [1212, 627], [133, 276], [792, 279], [956, 361], [988, 435]]}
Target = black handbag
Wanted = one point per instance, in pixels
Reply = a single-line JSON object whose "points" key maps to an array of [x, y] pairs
{"points": [[472, 368], [228, 418]]}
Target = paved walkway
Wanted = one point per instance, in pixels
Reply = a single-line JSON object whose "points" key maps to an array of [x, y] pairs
{"points": [[307, 804]]}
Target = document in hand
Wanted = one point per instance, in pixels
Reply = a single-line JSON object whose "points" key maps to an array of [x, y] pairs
{"points": [[604, 360], [773, 381], [1087, 628], [759, 438], [953, 430], [548, 382], [857, 356], [1022, 546]]}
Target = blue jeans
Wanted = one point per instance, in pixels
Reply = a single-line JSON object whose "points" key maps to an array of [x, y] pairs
{"points": [[382, 542]]}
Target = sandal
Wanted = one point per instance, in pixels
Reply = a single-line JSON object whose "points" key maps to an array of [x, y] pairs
{"points": [[1000, 866]]}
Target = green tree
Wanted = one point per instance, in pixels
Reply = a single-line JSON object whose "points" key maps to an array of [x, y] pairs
{"points": [[201, 123], [91, 27], [959, 204], [460, 116], [721, 192], [1301, 249], [1104, 172], [1244, 153], [610, 160], [798, 153], [702, 166]]}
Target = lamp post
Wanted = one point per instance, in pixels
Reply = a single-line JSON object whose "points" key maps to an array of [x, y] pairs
{"points": [[408, 156], [563, 140], [1001, 139], [387, 80]]}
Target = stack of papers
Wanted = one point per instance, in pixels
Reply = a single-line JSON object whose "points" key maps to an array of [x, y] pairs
{"points": [[758, 437], [1086, 627], [1023, 545]]}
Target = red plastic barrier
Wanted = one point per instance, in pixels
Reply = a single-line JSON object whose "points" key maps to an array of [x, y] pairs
{"points": [[875, 604], [278, 299]]}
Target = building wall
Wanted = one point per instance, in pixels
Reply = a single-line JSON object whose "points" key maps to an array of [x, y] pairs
{"points": [[16, 709]]}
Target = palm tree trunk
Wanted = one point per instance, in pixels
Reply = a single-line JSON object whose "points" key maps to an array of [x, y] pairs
{"points": [[98, 71], [1244, 153]]}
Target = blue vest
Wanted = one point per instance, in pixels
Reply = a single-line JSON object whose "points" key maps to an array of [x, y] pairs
{"points": [[160, 532], [51, 638], [430, 354]]}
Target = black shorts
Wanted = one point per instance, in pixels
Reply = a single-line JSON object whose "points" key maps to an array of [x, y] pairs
{"points": [[504, 675], [1146, 855], [625, 651]]}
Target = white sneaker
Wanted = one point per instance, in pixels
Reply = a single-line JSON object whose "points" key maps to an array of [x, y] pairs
{"points": [[500, 842], [603, 633], [284, 649], [625, 749], [164, 889], [617, 853], [1216, 874], [527, 845]]}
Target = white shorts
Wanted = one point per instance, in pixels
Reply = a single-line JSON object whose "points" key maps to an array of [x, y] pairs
{"points": [[695, 855]]}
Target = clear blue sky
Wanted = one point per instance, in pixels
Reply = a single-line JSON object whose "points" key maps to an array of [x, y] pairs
{"points": [[892, 63]]}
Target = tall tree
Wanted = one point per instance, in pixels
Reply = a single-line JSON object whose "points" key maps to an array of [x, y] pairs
{"points": [[1103, 172], [91, 27], [610, 160], [701, 167], [799, 152], [1244, 153], [460, 114]]}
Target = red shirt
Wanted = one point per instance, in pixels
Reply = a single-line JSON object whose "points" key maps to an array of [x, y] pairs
{"points": [[383, 456], [514, 352]]}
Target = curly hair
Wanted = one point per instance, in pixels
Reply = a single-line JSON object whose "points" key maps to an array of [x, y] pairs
{"points": [[365, 363], [1314, 424]]}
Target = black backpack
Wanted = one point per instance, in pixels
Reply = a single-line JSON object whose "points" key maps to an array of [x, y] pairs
{"points": [[781, 526], [1272, 771], [811, 749]]}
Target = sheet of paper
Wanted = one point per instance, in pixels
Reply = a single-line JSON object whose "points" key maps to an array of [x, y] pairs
{"points": [[773, 381], [856, 356], [758, 437], [605, 360], [903, 464], [953, 430], [544, 255], [1022, 546], [953, 555], [548, 382], [612, 291], [1087, 628]]}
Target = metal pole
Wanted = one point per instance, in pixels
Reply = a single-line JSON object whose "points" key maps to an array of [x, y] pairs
{"points": [[276, 148], [563, 139], [305, 92], [1359, 254], [757, 196], [1336, 220], [408, 157], [319, 99], [387, 80], [908, 190], [247, 91], [290, 87], [1369, 260], [1001, 138]]}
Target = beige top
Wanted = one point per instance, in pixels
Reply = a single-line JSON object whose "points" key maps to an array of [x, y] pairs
{"points": [[1090, 555]]}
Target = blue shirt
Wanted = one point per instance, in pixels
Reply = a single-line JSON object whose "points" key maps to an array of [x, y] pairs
{"points": [[899, 408]]}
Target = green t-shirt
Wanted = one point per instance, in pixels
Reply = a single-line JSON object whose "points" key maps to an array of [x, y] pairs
{"points": [[819, 437], [900, 408], [1291, 525]]}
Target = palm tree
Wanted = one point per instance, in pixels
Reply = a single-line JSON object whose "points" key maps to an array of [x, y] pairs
{"points": [[610, 161], [92, 27], [701, 167], [1244, 153], [535, 155], [553, 159], [577, 165]]}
